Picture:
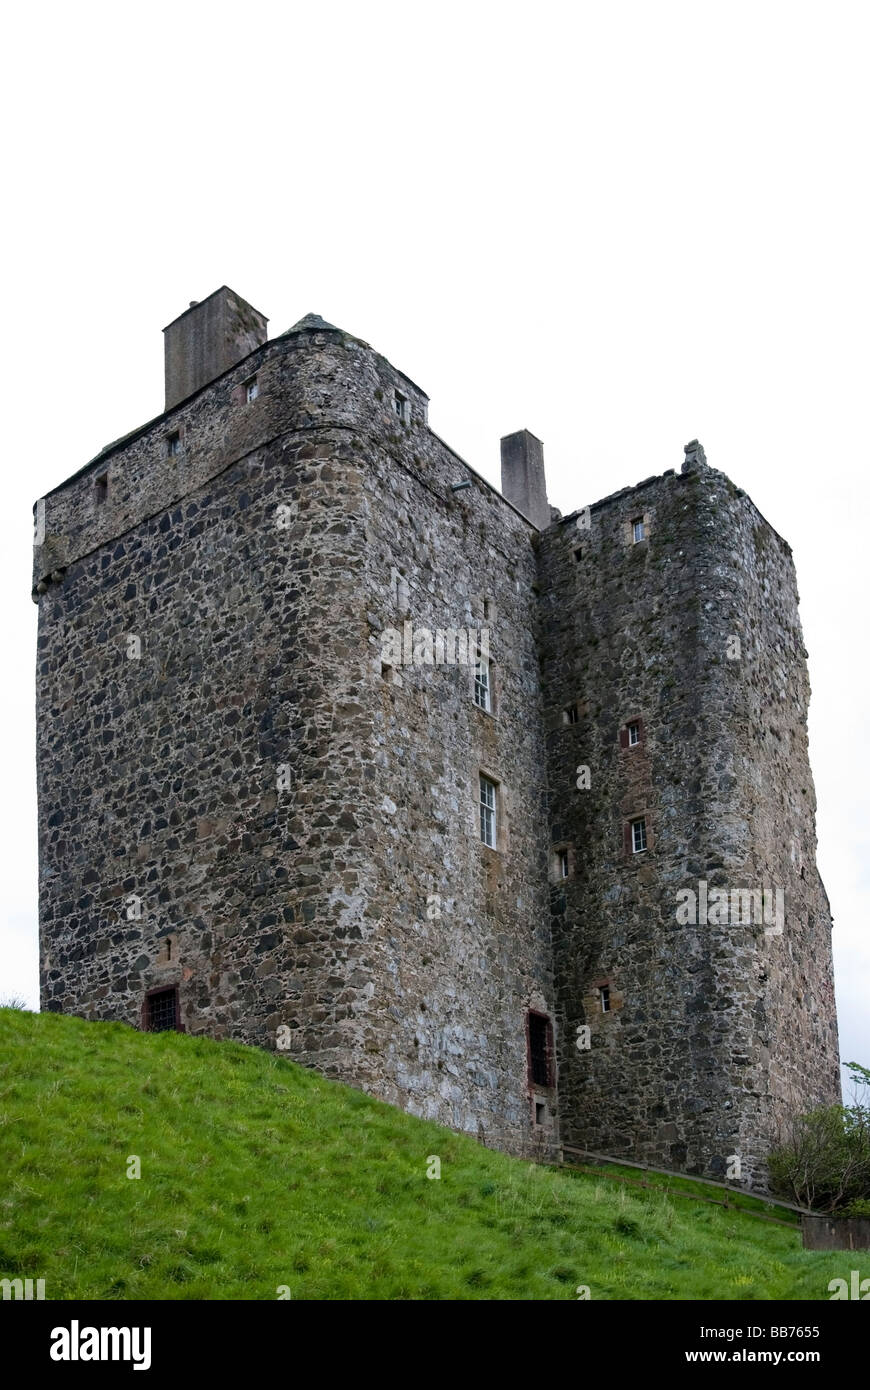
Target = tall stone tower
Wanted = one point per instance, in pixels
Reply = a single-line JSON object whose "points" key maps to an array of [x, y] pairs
{"points": [[692, 934], [312, 699]]}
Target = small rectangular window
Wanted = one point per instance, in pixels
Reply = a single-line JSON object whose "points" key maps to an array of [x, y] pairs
{"points": [[488, 826], [637, 529], [252, 390], [638, 835], [173, 444], [101, 488], [540, 1050], [540, 1112], [161, 1011], [563, 863], [578, 554], [482, 684], [633, 734], [570, 715], [604, 998], [401, 407]]}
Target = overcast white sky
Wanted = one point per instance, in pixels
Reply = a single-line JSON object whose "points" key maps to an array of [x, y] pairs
{"points": [[619, 225]]}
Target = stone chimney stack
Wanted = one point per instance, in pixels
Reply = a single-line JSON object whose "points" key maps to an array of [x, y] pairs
{"points": [[208, 339], [522, 476]]}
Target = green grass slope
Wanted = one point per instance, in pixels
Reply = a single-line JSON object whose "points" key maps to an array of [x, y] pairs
{"points": [[257, 1174]]}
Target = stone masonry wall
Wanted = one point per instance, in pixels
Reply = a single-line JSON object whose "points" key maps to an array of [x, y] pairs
{"points": [[680, 1064], [242, 795], [255, 569]]}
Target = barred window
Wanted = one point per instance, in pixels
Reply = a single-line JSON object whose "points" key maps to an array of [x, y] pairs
{"points": [[487, 811], [161, 1011]]}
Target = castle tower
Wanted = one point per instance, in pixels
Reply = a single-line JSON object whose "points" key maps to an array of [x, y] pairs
{"points": [[675, 693], [261, 786], [342, 752]]}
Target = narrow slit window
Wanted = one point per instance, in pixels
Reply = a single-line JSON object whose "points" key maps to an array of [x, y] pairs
{"points": [[401, 407], [570, 714], [483, 684], [252, 390], [604, 998], [540, 1050], [633, 733], [563, 863], [173, 444], [638, 835], [101, 488], [488, 825], [578, 554], [540, 1112]]}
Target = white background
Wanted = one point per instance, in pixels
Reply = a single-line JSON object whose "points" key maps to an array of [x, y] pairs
{"points": [[619, 225]]}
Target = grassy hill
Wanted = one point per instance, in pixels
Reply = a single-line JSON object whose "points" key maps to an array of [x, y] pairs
{"points": [[256, 1174]]}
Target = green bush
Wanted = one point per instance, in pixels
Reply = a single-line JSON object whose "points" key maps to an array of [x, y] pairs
{"points": [[824, 1162]]}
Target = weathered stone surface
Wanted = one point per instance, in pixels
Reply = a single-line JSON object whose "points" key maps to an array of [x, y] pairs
{"points": [[240, 797], [721, 1030]]}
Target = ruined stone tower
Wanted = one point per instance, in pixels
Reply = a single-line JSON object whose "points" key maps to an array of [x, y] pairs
{"points": [[343, 752]]}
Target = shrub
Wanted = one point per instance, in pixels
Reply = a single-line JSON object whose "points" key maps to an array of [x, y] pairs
{"points": [[824, 1162]]}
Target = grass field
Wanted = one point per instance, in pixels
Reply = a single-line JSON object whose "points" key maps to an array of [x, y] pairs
{"points": [[257, 1175]]}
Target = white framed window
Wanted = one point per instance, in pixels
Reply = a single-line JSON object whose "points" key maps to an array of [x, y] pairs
{"points": [[483, 684], [638, 835], [401, 407], [633, 733], [604, 998], [488, 797], [638, 531], [252, 390]]}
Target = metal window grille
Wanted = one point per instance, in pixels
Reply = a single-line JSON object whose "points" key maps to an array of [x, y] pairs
{"points": [[161, 1012]]}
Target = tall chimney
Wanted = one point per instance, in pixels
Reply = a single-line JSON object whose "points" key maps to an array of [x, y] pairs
{"points": [[208, 339], [522, 476]]}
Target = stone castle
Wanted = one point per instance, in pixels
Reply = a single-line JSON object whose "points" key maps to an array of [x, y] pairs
{"points": [[503, 816]]}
